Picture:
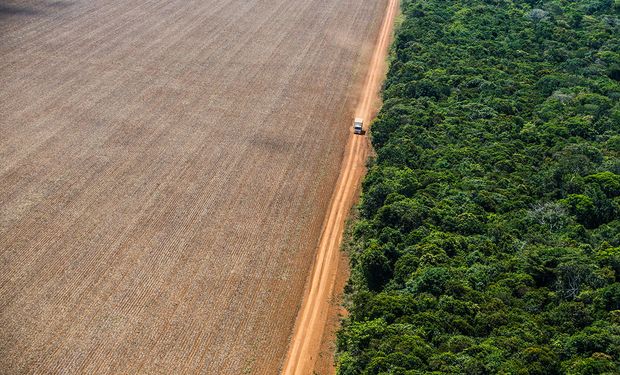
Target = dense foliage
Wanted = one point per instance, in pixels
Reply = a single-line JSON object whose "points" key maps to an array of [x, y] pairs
{"points": [[489, 232]]}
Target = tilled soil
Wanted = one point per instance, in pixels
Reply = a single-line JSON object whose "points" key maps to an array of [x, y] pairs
{"points": [[165, 169]]}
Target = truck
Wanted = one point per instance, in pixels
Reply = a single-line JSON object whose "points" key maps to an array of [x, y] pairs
{"points": [[357, 125]]}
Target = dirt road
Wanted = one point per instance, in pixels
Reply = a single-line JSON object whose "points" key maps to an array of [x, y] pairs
{"points": [[309, 328], [165, 170]]}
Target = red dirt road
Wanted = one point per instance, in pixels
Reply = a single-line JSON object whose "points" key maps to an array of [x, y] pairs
{"points": [[165, 170], [305, 343]]}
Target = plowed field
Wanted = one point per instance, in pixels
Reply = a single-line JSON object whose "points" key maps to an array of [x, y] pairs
{"points": [[165, 169]]}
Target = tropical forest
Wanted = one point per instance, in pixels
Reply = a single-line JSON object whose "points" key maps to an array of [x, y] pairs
{"points": [[487, 237]]}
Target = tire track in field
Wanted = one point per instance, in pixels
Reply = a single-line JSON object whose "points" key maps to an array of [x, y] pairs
{"points": [[305, 342]]}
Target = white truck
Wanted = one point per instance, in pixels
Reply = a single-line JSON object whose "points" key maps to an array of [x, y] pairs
{"points": [[357, 125]]}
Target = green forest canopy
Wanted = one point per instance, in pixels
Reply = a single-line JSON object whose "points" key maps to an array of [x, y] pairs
{"points": [[489, 233]]}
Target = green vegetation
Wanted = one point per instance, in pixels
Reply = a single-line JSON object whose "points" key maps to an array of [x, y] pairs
{"points": [[489, 232]]}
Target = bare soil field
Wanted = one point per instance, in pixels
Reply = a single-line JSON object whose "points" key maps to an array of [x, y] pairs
{"points": [[165, 169]]}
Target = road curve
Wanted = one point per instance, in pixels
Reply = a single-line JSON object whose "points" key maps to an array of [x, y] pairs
{"points": [[305, 343]]}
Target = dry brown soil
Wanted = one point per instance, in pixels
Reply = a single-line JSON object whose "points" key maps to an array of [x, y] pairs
{"points": [[165, 169], [307, 343]]}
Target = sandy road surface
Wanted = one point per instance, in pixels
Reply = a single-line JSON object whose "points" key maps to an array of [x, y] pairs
{"points": [[306, 340], [165, 168]]}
